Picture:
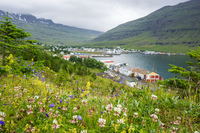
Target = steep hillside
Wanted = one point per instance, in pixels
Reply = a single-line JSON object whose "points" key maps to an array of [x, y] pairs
{"points": [[46, 31], [170, 25]]}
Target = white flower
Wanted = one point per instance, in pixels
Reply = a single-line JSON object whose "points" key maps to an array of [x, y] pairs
{"points": [[120, 121], [102, 122], [157, 110], [119, 106], [0, 94], [36, 97], [55, 121], [109, 107], [135, 115], [84, 131], [118, 110], [154, 97]]}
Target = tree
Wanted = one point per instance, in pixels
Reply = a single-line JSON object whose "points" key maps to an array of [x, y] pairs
{"points": [[188, 80], [11, 37]]}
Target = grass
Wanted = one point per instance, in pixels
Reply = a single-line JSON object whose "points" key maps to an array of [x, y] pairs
{"points": [[31, 104]]}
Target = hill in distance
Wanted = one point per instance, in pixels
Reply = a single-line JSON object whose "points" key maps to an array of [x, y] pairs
{"points": [[171, 28], [46, 31]]}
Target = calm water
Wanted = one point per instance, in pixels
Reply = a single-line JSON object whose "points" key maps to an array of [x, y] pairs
{"points": [[160, 63]]}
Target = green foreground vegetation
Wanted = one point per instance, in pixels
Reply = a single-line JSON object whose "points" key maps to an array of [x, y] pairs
{"points": [[41, 93]]}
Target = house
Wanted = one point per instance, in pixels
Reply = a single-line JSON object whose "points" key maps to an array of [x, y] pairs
{"points": [[153, 77], [66, 57], [139, 73], [108, 63], [126, 70]]}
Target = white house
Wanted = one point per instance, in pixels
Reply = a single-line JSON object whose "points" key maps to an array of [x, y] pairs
{"points": [[140, 73], [126, 70]]}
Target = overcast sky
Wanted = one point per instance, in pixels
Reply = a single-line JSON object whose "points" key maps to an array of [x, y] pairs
{"points": [[101, 15]]}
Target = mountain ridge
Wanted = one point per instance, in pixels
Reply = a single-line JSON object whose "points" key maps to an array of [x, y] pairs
{"points": [[46, 31], [169, 25]]}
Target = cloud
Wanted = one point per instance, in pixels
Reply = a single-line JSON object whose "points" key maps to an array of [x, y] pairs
{"points": [[99, 15]]}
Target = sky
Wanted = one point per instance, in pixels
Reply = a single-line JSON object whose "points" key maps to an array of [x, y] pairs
{"points": [[100, 15]]}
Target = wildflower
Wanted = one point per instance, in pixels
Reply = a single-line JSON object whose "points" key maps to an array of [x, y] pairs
{"points": [[75, 119], [125, 110], [60, 100], [36, 97], [155, 117], [173, 130], [117, 111], [157, 110], [109, 107], [162, 125], [175, 122], [135, 115], [124, 115], [47, 115], [120, 121], [51, 105], [84, 131], [84, 102], [119, 106], [102, 122], [71, 96], [79, 117], [2, 122], [55, 124], [154, 97], [64, 108], [75, 109]]}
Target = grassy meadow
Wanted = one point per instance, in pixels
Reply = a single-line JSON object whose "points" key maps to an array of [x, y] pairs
{"points": [[38, 102]]}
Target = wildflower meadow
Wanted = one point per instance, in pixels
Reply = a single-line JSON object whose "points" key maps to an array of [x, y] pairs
{"points": [[35, 101]]}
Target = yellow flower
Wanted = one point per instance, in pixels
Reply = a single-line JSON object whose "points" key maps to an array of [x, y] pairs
{"points": [[123, 131]]}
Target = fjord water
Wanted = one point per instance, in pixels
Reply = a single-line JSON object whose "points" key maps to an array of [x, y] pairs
{"points": [[156, 63]]}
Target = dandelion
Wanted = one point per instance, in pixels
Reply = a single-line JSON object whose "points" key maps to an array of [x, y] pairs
{"points": [[102, 122]]}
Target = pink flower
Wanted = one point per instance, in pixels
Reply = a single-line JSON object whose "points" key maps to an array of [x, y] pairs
{"points": [[109, 107], [102, 122], [135, 115]]}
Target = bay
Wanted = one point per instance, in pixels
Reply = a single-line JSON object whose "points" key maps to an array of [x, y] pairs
{"points": [[156, 63]]}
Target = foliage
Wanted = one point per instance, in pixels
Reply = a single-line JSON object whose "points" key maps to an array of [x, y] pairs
{"points": [[188, 80], [11, 38]]}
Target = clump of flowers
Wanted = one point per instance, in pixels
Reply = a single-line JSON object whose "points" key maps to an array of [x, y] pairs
{"points": [[154, 97], [75, 119], [102, 122], [117, 111], [154, 117], [55, 124], [109, 108], [120, 121]]}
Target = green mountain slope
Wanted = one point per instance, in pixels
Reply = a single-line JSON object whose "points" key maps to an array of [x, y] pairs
{"points": [[170, 25], [46, 31]]}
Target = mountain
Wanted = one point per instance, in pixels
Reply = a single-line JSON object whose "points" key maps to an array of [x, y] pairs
{"points": [[46, 31], [169, 27]]}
